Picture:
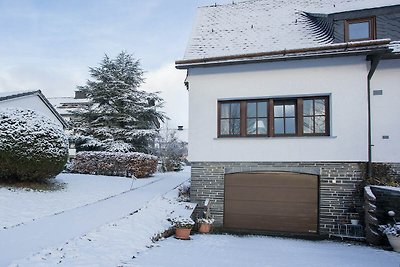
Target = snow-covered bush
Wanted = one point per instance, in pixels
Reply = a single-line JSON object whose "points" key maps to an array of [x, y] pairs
{"points": [[32, 146], [183, 222], [184, 192], [171, 151], [206, 221], [115, 163]]}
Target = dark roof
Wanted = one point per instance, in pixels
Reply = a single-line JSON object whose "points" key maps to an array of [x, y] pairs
{"points": [[13, 95], [266, 26]]}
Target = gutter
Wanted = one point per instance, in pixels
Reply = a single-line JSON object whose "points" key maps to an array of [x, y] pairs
{"points": [[331, 49], [375, 59]]}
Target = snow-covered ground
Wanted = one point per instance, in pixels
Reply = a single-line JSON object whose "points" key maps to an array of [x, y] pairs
{"points": [[118, 231], [126, 213], [117, 243], [232, 251], [20, 206]]}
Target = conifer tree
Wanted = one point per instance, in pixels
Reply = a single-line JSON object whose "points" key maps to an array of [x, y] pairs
{"points": [[120, 116]]}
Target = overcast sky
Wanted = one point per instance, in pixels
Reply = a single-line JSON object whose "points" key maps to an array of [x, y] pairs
{"points": [[49, 45]]}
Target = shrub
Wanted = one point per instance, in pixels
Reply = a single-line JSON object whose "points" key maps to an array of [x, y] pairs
{"points": [[115, 163], [32, 146]]}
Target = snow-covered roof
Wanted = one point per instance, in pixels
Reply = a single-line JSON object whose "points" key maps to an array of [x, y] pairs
{"points": [[257, 26], [15, 94], [67, 105]]}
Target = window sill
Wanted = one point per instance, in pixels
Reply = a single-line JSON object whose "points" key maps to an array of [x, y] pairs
{"points": [[275, 137]]}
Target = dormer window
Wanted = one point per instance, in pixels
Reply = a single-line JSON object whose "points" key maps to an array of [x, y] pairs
{"points": [[360, 29]]}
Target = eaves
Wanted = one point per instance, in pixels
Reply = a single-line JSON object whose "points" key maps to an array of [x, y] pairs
{"points": [[332, 50]]}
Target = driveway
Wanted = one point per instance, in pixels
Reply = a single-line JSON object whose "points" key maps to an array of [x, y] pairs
{"points": [[23, 240], [232, 251]]}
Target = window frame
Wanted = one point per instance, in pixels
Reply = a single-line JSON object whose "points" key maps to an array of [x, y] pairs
{"points": [[327, 116], [299, 117], [220, 119], [372, 28], [257, 117], [285, 102]]}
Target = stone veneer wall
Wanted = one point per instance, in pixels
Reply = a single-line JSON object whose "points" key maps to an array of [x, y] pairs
{"points": [[335, 198]]}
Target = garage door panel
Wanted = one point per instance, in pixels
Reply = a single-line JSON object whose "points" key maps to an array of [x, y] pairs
{"points": [[299, 209], [270, 194], [276, 202], [259, 222], [276, 180]]}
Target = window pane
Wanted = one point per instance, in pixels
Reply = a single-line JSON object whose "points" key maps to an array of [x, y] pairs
{"points": [[262, 126], [308, 107], [289, 110], [262, 109], [224, 127], [278, 126], [225, 111], [251, 110], [235, 110], [251, 126], [278, 111], [320, 124], [320, 107], [235, 126], [290, 126], [359, 30], [308, 125]]}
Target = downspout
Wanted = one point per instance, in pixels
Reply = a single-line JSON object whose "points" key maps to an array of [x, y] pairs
{"points": [[374, 64]]}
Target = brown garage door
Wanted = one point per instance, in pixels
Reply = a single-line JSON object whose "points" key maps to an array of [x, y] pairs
{"points": [[276, 202]]}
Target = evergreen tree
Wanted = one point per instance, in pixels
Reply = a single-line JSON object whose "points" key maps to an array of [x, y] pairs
{"points": [[120, 116]]}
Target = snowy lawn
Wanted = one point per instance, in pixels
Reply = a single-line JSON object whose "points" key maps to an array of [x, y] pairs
{"points": [[227, 250], [21, 205]]}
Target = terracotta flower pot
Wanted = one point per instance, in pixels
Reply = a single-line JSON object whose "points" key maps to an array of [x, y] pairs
{"points": [[182, 233], [204, 228]]}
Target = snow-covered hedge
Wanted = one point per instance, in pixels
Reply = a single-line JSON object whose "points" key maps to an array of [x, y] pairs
{"points": [[115, 163], [32, 146]]}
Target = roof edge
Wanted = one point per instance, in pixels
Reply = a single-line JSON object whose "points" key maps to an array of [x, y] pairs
{"points": [[18, 94], [44, 100], [184, 64]]}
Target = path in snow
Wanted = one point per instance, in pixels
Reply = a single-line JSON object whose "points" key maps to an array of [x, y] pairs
{"points": [[20, 242]]}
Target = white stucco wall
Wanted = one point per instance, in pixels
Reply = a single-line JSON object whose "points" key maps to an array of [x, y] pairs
{"points": [[385, 111], [32, 102], [344, 79]]}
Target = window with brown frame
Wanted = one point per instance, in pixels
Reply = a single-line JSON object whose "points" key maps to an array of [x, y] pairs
{"points": [[229, 122], [285, 117], [360, 29], [306, 116], [256, 117]]}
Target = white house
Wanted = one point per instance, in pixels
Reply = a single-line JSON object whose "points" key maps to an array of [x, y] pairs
{"points": [[33, 100], [290, 102]]}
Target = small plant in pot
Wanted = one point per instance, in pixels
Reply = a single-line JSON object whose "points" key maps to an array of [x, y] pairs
{"points": [[183, 226], [206, 222], [205, 225], [353, 215], [392, 231]]}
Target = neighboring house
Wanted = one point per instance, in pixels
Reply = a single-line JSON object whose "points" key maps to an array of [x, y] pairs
{"points": [[287, 101], [33, 100], [66, 106]]}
